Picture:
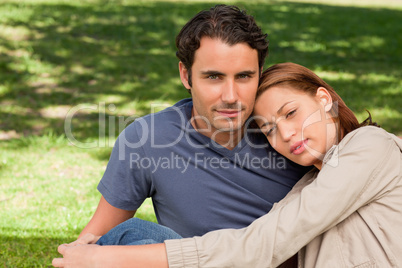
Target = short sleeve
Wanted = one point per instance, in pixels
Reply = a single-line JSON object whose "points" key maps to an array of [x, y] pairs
{"points": [[125, 184]]}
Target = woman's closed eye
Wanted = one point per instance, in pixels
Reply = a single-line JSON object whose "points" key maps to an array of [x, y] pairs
{"points": [[291, 113], [270, 131]]}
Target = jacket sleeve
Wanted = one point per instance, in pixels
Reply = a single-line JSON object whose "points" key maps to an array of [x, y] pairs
{"points": [[365, 167]]}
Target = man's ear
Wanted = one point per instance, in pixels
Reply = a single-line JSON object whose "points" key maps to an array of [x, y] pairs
{"points": [[324, 98], [184, 75]]}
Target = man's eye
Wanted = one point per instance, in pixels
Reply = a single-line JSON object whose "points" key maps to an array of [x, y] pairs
{"points": [[213, 77], [243, 76]]}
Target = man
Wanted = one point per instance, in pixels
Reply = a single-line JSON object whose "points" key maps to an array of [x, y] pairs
{"points": [[199, 160]]}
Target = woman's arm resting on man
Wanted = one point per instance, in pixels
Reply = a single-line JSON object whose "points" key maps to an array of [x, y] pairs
{"points": [[83, 256]]}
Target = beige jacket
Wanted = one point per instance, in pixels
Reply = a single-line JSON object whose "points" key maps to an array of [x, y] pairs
{"points": [[347, 215]]}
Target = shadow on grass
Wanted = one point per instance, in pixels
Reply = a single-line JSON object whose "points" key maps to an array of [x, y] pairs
{"points": [[38, 251], [54, 57]]}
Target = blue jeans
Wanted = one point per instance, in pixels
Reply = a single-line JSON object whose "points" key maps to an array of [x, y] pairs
{"points": [[137, 232]]}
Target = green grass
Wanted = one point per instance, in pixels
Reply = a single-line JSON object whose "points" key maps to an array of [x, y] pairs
{"points": [[47, 194], [116, 59]]}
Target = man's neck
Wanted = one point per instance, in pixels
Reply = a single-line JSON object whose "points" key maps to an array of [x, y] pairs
{"points": [[227, 139]]}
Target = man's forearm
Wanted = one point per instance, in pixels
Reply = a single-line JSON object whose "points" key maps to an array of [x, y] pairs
{"points": [[105, 218]]}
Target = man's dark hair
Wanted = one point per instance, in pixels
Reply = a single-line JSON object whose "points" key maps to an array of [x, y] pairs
{"points": [[227, 23]]}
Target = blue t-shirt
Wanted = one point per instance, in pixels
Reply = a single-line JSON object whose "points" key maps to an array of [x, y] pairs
{"points": [[196, 185]]}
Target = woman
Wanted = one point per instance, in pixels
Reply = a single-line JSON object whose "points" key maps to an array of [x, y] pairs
{"points": [[346, 212]]}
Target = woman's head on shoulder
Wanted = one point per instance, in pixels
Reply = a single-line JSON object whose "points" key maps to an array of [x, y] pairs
{"points": [[301, 115]]}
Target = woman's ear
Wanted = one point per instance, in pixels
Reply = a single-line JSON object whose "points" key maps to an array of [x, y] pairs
{"points": [[324, 98], [184, 75]]}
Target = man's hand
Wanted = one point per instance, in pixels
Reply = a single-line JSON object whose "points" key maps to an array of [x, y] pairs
{"points": [[77, 256], [85, 240]]}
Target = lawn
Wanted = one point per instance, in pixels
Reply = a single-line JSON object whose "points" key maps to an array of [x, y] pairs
{"points": [[74, 73]]}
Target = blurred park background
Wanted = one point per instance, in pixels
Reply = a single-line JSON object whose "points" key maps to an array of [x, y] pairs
{"points": [[92, 67]]}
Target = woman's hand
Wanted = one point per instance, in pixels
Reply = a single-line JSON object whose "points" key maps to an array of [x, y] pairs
{"points": [[77, 255]]}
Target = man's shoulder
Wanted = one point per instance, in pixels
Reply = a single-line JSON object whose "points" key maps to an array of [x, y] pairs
{"points": [[165, 121], [178, 111]]}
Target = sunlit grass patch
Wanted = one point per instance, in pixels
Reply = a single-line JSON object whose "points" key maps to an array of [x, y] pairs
{"points": [[104, 63]]}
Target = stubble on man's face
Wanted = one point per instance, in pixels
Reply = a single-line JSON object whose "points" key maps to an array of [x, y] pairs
{"points": [[224, 84]]}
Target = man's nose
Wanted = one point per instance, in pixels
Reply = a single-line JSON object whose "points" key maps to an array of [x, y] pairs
{"points": [[229, 92]]}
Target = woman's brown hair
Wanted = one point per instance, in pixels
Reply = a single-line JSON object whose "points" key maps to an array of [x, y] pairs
{"points": [[301, 78]]}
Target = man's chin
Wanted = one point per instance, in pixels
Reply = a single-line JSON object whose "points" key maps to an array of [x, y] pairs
{"points": [[229, 128]]}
